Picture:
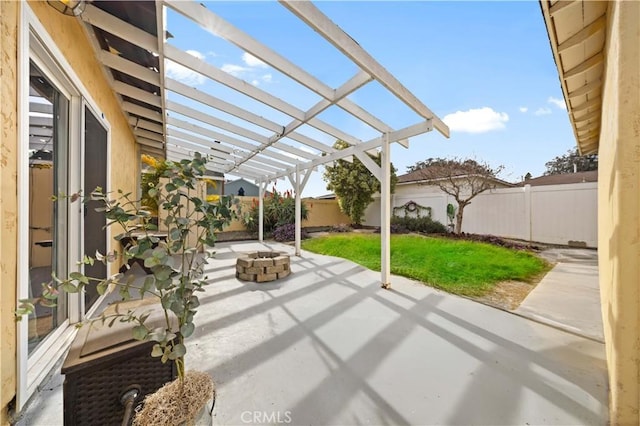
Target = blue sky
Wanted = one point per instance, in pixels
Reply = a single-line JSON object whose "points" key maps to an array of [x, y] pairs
{"points": [[486, 68]]}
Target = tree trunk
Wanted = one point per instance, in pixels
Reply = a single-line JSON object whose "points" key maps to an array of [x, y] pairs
{"points": [[459, 218]]}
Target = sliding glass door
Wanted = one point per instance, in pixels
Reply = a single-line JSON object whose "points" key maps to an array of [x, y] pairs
{"points": [[48, 153]]}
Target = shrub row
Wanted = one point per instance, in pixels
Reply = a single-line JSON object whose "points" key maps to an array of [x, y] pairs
{"points": [[425, 225], [287, 233], [279, 210]]}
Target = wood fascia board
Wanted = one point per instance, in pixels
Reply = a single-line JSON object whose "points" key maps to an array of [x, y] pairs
{"points": [[553, 41]]}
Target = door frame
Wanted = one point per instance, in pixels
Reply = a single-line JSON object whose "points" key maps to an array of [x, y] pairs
{"points": [[100, 117], [35, 44]]}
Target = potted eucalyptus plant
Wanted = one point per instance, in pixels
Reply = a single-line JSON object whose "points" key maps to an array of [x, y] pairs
{"points": [[176, 264]]}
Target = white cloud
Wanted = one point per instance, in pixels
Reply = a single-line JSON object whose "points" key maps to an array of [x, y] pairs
{"points": [[523, 109], [557, 102], [235, 70], [184, 74], [543, 111], [267, 78], [479, 120], [252, 61], [255, 82]]}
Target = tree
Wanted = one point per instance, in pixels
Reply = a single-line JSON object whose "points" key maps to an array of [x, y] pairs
{"points": [[354, 184], [462, 179], [572, 162]]}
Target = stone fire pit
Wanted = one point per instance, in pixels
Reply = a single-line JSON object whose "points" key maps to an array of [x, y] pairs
{"points": [[262, 266]]}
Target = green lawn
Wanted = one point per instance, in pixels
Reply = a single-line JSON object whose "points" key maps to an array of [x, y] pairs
{"points": [[457, 266]]}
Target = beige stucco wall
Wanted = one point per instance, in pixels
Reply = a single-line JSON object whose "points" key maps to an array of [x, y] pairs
{"points": [[321, 213], [9, 12], [70, 38], [324, 213], [619, 210]]}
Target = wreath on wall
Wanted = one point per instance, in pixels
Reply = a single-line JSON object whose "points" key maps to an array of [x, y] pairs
{"points": [[412, 207]]}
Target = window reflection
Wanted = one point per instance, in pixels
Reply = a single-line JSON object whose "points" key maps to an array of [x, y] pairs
{"points": [[48, 141]]}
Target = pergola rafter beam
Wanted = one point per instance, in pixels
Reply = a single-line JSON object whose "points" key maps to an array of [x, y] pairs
{"points": [[405, 133], [128, 67], [347, 88], [137, 122], [197, 147], [183, 58], [120, 28], [142, 111], [135, 93], [313, 17], [219, 104], [220, 136], [161, 31], [198, 140], [219, 27]]}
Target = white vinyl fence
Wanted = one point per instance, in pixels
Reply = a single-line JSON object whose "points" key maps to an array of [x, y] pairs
{"points": [[554, 214]]}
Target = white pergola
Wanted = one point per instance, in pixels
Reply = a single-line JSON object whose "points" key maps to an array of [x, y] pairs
{"points": [[238, 149]]}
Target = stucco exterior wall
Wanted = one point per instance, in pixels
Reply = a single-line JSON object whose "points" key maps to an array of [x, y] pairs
{"points": [[9, 13], [324, 213], [619, 210]]}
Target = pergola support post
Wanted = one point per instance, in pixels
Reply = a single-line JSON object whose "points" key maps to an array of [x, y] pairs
{"points": [[298, 210], [385, 214], [261, 186], [299, 182]]}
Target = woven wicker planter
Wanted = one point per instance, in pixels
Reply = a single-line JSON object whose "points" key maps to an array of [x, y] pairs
{"points": [[263, 266]]}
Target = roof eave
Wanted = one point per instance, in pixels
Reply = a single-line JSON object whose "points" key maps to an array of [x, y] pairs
{"points": [[582, 82]]}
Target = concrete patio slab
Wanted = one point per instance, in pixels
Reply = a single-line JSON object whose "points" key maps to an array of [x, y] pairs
{"points": [[328, 346], [568, 297]]}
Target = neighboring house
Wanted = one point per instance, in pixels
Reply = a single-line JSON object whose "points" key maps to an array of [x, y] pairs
{"points": [[416, 181], [562, 179], [249, 189], [329, 196], [596, 47]]}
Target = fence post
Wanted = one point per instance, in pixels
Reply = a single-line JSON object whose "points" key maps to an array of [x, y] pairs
{"points": [[527, 212]]}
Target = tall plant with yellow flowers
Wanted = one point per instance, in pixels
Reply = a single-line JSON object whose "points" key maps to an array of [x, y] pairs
{"points": [[150, 180]]}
